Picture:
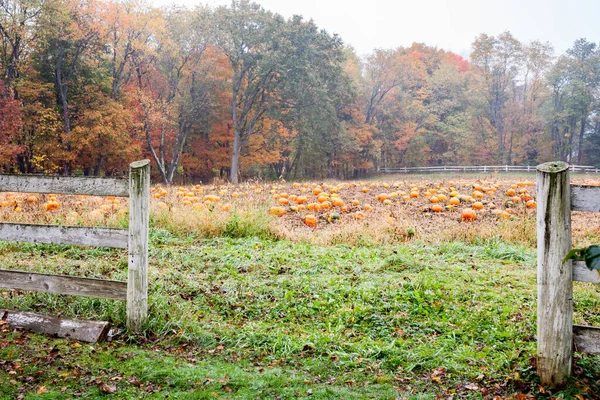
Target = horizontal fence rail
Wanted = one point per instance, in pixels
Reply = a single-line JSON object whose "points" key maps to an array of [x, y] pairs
{"points": [[585, 198], [586, 339], [65, 185], [482, 168], [73, 235], [62, 284], [581, 273]]}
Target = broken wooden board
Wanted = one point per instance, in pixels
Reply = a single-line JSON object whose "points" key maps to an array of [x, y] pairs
{"points": [[84, 331]]}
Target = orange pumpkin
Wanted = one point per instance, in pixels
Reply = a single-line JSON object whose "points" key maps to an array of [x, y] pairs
{"points": [[477, 205], [383, 196], [338, 202], [310, 220], [468, 215], [314, 206], [322, 199], [437, 208], [279, 211]]}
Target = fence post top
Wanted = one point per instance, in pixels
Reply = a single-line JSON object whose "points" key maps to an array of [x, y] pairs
{"points": [[553, 167], [139, 164]]}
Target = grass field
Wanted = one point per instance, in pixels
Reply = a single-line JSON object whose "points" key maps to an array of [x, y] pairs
{"points": [[248, 305]]}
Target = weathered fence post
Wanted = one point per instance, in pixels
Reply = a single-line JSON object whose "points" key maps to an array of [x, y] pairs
{"points": [[554, 277], [137, 280]]}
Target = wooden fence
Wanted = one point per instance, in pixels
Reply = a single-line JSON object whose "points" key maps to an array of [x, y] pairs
{"points": [[556, 334], [482, 168], [135, 239]]}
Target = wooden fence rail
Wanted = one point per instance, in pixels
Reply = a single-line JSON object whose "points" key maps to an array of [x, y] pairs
{"points": [[479, 168], [135, 239], [556, 334]]}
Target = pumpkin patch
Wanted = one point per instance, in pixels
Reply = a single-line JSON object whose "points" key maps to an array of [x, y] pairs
{"points": [[308, 207]]}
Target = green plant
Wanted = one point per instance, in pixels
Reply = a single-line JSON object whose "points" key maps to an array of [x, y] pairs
{"points": [[591, 256]]}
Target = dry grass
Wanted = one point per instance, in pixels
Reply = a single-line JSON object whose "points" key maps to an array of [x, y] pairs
{"points": [[243, 210]]}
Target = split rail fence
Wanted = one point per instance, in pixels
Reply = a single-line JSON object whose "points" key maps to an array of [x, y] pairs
{"points": [[482, 168], [557, 337], [135, 238]]}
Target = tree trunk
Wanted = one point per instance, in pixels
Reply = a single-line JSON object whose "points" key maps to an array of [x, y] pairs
{"points": [[581, 132], [572, 127], [98, 166], [62, 94], [235, 158]]}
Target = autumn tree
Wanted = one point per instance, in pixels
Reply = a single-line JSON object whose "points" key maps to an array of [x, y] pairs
{"points": [[19, 20], [10, 124], [172, 89], [278, 66], [575, 81], [500, 60]]}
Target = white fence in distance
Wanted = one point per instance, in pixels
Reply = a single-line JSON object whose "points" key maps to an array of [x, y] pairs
{"points": [[481, 168]]}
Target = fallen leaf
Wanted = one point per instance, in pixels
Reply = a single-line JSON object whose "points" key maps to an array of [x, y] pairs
{"points": [[134, 380], [108, 389], [41, 390]]}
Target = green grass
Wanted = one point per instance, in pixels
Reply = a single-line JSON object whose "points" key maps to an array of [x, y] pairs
{"points": [[249, 317]]}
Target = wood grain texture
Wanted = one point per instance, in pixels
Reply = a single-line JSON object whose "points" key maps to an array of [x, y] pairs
{"points": [[139, 217], [554, 277], [74, 235], [64, 185], [62, 284], [85, 331], [586, 339], [581, 273], [585, 198]]}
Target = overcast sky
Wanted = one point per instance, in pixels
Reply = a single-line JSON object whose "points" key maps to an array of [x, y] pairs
{"points": [[448, 24]]}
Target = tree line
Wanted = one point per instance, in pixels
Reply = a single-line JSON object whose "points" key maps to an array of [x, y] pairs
{"points": [[86, 86]]}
